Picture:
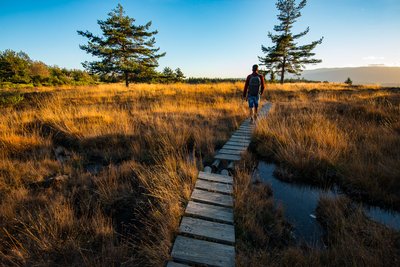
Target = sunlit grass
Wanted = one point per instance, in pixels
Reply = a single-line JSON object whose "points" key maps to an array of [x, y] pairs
{"points": [[348, 137], [128, 158], [146, 142]]}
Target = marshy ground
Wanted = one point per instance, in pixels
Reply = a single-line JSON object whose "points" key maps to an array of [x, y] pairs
{"points": [[100, 175], [325, 135]]}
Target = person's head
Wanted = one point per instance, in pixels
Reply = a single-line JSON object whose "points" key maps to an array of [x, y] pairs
{"points": [[255, 68]]}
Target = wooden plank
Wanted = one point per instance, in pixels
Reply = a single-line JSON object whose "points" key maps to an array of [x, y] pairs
{"points": [[209, 212], [216, 177], [227, 157], [234, 136], [240, 137], [242, 134], [238, 148], [200, 252], [214, 186], [212, 198], [243, 131], [175, 264], [238, 141], [239, 144], [231, 165], [213, 231], [230, 151]]}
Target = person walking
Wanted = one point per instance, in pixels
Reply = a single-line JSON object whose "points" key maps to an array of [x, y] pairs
{"points": [[253, 89]]}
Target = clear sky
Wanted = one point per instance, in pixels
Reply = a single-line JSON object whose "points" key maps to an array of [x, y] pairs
{"points": [[207, 38]]}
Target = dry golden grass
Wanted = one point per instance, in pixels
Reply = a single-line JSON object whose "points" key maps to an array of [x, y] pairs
{"points": [[143, 145], [324, 134], [354, 240], [350, 137], [129, 158], [263, 237]]}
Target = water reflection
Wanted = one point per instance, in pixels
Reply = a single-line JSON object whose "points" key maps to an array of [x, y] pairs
{"points": [[300, 202]]}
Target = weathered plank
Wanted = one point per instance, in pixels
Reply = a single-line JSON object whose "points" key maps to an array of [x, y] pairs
{"points": [[213, 231], [202, 252], [240, 131], [238, 141], [231, 165], [239, 144], [238, 148], [214, 186], [225, 179], [245, 128], [230, 151], [175, 264], [244, 133], [210, 212], [227, 157], [247, 136], [240, 137], [244, 142], [212, 198]]}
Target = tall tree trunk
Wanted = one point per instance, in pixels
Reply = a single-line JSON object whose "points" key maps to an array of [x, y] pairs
{"points": [[126, 79], [283, 71]]}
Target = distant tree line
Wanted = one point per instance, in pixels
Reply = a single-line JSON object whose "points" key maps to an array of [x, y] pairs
{"points": [[17, 68], [213, 80]]}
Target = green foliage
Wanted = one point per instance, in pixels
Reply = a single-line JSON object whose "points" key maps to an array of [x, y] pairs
{"points": [[192, 80], [349, 82], [286, 55], [272, 76], [179, 75], [10, 98], [170, 76], [125, 50], [14, 67], [17, 70]]}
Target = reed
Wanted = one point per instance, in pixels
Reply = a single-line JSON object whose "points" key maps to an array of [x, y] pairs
{"points": [[99, 175]]}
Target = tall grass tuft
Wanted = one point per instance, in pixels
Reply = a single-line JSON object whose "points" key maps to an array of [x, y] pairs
{"points": [[99, 175]]}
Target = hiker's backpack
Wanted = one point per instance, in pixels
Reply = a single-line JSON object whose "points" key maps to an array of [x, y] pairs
{"points": [[254, 85]]}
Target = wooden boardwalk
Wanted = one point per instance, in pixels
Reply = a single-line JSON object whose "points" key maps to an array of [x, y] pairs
{"points": [[207, 233]]}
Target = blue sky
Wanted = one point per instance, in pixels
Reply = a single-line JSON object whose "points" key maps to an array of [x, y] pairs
{"points": [[213, 38]]}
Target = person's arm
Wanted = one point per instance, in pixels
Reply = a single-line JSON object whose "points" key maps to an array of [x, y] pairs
{"points": [[246, 85], [262, 84]]}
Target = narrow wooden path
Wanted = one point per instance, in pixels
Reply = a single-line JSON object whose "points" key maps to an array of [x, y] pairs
{"points": [[207, 233]]}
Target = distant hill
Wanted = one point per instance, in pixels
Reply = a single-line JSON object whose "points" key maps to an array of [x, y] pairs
{"points": [[386, 76]]}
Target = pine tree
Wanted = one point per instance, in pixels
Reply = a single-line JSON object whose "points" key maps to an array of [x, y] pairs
{"points": [[285, 55], [168, 75], [14, 67], [179, 75], [125, 50]]}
